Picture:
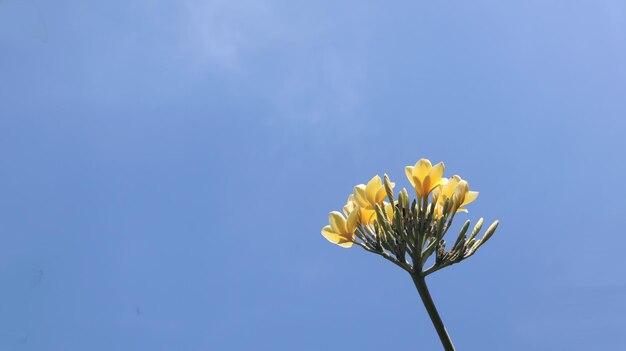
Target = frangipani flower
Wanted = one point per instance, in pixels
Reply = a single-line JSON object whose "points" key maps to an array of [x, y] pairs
{"points": [[447, 190], [368, 196], [424, 176], [463, 196], [341, 229], [364, 217]]}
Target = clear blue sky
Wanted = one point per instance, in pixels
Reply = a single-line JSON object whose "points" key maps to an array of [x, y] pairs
{"points": [[166, 168]]}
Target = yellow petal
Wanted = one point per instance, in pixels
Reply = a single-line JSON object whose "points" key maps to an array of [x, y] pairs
{"points": [[359, 195], [345, 244], [366, 216], [426, 186], [335, 238], [352, 221], [436, 173], [440, 183], [329, 234], [347, 209], [419, 189], [448, 188], [372, 187], [439, 191], [380, 195], [433, 178], [421, 169], [470, 197], [409, 174], [349, 206], [337, 222]]}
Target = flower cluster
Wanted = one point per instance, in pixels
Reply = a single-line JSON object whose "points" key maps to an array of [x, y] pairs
{"points": [[408, 232]]}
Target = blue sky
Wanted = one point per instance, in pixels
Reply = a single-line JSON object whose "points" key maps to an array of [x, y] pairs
{"points": [[166, 168]]}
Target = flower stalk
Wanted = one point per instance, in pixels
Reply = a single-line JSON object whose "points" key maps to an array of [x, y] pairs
{"points": [[422, 289], [411, 233]]}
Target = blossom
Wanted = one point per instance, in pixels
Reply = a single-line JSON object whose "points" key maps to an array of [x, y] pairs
{"points": [[341, 229], [368, 196], [447, 190], [365, 216], [424, 176], [463, 196]]}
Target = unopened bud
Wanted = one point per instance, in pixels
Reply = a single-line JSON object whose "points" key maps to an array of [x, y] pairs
{"points": [[388, 189], [461, 234], [477, 228], [489, 232]]}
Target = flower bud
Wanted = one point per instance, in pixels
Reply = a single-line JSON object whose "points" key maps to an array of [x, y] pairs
{"points": [[489, 232], [476, 229], [388, 188]]}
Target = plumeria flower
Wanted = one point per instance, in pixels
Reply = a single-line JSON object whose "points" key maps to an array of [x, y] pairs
{"points": [[447, 190], [463, 196], [424, 176], [368, 196], [365, 216], [341, 229]]}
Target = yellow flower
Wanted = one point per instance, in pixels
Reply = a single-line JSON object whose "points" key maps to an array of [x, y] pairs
{"points": [[341, 229], [463, 196], [364, 216], [367, 196], [457, 190], [424, 176]]}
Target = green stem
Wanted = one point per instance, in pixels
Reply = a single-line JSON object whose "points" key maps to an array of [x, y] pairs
{"points": [[420, 284]]}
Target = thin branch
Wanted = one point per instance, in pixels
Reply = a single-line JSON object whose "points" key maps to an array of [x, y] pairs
{"points": [[385, 255]]}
